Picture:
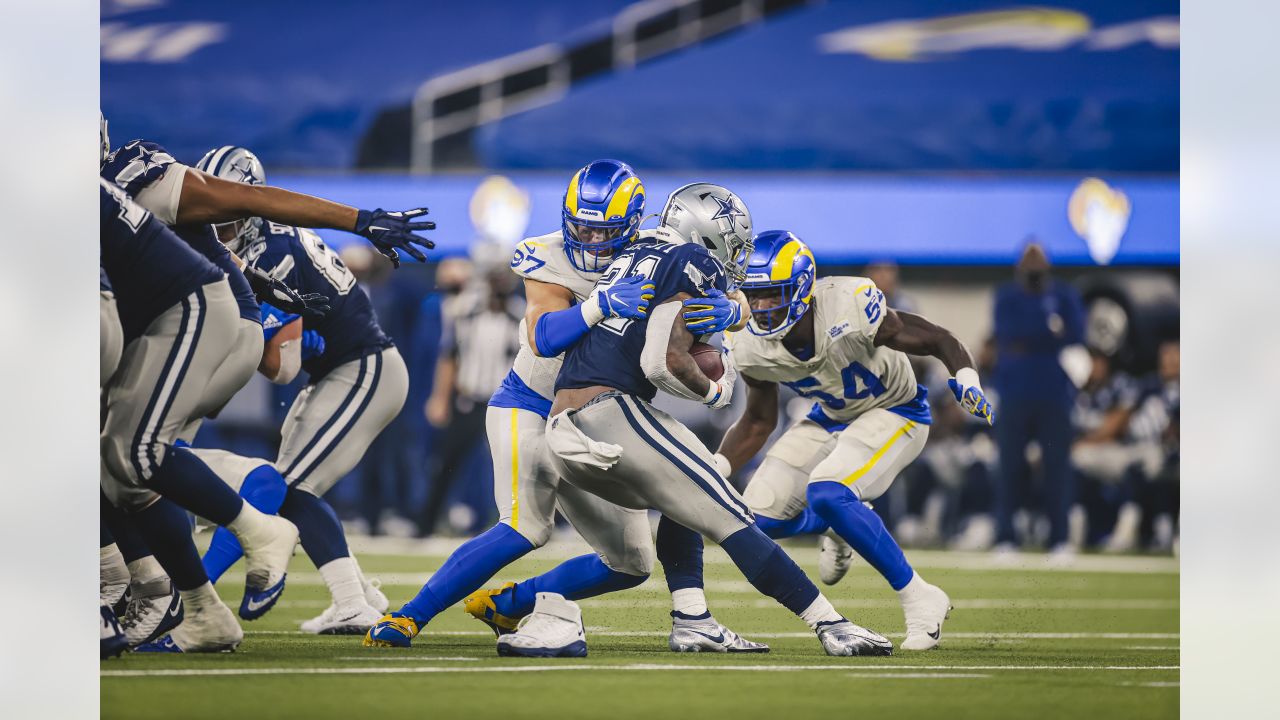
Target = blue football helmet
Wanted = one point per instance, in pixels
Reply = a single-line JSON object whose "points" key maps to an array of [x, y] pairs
{"points": [[779, 282], [236, 164], [602, 209]]}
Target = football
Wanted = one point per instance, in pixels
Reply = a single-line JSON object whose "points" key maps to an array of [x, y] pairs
{"points": [[708, 359]]}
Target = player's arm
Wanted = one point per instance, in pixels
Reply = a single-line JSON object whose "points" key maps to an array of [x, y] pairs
{"points": [[282, 354], [554, 323], [208, 199], [667, 364], [914, 335], [750, 432]]}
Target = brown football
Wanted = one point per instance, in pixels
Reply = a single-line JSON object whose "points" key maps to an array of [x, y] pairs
{"points": [[708, 359]]}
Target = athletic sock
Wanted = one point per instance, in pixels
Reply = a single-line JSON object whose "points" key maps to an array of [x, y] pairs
{"points": [[912, 589], [769, 569], [343, 578], [167, 531], [679, 550], [145, 569], [264, 489], [199, 598], [318, 526], [691, 602], [112, 569], [474, 562], [820, 612], [577, 578], [862, 528], [807, 522], [184, 479]]}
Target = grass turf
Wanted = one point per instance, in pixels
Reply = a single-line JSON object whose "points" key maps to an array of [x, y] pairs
{"points": [[1020, 644]]}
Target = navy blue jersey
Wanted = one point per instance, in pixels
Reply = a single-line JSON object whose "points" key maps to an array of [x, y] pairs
{"points": [[140, 164], [149, 268], [609, 354], [300, 259]]}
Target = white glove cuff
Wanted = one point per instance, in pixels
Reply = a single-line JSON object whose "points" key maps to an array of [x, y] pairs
{"points": [[714, 391], [592, 313], [968, 377], [722, 465]]}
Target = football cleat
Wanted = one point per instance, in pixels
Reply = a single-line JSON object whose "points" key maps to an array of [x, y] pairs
{"points": [[351, 620], [265, 565], [372, 594], [155, 609], [844, 639], [111, 639], [834, 558], [120, 606], [206, 630], [553, 629], [705, 634], [393, 630], [480, 606], [925, 612]]}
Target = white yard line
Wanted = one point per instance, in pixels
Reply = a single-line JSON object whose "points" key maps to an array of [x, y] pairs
{"points": [[1154, 604], [633, 667], [951, 635]]}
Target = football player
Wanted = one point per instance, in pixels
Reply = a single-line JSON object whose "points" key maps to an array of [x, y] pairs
{"points": [[601, 213], [836, 340], [606, 438]]}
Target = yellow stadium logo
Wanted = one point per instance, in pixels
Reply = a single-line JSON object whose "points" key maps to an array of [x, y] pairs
{"points": [[1099, 213]]}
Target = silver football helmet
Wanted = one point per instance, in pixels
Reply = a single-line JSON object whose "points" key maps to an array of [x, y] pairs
{"points": [[236, 164], [714, 217], [104, 140]]}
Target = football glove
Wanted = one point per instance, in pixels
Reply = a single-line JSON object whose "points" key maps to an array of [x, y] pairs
{"points": [[312, 344], [311, 306], [627, 298], [973, 401], [720, 394], [714, 313], [391, 231]]}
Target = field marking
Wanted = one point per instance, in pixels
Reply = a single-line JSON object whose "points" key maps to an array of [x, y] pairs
{"points": [[1151, 647], [1153, 604], [414, 658], [633, 667], [952, 635], [919, 676]]}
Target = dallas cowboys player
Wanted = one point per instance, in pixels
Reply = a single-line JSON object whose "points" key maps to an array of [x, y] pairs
{"points": [[836, 341], [601, 212], [354, 389], [606, 438]]}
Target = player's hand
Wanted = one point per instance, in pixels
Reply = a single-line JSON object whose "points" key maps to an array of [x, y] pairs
{"points": [[721, 392], [714, 313], [973, 401], [311, 306], [391, 231], [627, 298], [312, 344]]}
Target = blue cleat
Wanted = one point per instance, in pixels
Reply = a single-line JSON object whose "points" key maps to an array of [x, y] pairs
{"points": [[393, 630], [111, 638], [154, 609], [553, 630], [256, 603], [163, 645]]}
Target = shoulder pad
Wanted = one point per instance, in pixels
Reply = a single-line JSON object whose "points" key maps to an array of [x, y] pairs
{"points": [[136, 165]]}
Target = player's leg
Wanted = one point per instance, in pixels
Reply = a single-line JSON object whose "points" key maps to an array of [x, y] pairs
{"points": [[110, 338], [525, 494], [254, 479], [328, 430], [1054, 433], [149, 605], [1013, 434], [667, 467], [868, 456]]}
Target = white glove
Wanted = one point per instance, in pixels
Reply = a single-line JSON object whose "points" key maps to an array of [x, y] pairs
{"points": [[1077, 363], [720, 393]]}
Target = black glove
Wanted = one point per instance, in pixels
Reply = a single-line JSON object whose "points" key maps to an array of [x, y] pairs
{"points": [[311, 306], [391, 231]]}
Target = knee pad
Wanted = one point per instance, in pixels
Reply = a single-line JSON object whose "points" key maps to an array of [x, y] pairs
{"points": [[776, 490]]}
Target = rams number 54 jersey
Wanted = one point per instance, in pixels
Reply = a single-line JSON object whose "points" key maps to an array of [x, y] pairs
{"points": [[848, 374]]}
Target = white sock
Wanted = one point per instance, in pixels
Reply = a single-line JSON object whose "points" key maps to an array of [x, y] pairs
{"points": [[819, 611], [689, 601], [343, 578], [912, 589], [200, 598], [111, 566], [249, 525], [145, 569]]}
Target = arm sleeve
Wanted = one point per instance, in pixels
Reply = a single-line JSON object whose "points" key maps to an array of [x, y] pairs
{"points": [[290, 362], [557, 331], [161, 197], [653, 358]]}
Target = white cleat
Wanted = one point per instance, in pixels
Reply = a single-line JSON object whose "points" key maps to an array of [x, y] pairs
{"points": [[835, 556], [926, 610], [705, 634], [205, 630], [154, 609], [351, 620], [266, 558], [372, 594], [553, 629], [844, 639]]}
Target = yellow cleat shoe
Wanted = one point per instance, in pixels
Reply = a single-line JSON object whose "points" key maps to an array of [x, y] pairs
{"points": [[480, 606], [393, 630]]}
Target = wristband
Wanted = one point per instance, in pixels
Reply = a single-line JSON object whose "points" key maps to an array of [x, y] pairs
{"points": [[723, 465], [713, 393]]}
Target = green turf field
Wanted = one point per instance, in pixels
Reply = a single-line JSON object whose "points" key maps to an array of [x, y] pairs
{"points": [[1097, 640]]}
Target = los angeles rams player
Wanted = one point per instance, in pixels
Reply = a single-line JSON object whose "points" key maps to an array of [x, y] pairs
{"points": [[601, 213], [606, 438], [836, 341]]}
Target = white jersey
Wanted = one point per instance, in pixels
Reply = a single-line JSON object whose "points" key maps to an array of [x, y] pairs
{"points": [[847, 375]]}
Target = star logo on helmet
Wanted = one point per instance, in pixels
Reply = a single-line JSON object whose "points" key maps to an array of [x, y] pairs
{"points": [[728, 209]]}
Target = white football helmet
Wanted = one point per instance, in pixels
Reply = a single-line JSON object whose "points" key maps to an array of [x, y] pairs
{"points": [[236, 164]]}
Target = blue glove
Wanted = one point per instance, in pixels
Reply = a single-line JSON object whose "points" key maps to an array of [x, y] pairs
{"points": [[627, 298], [392, 231], [714, 313], [312, 344], [973, 401]]}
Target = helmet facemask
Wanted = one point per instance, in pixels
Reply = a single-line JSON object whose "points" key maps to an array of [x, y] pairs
{"points": [[776, 306], [239, 234], [592, 244]]}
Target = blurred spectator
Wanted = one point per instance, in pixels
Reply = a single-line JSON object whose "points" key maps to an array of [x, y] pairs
{"points": [[884, 273], [1155, 422], [478, 344], [1036, 318]]}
